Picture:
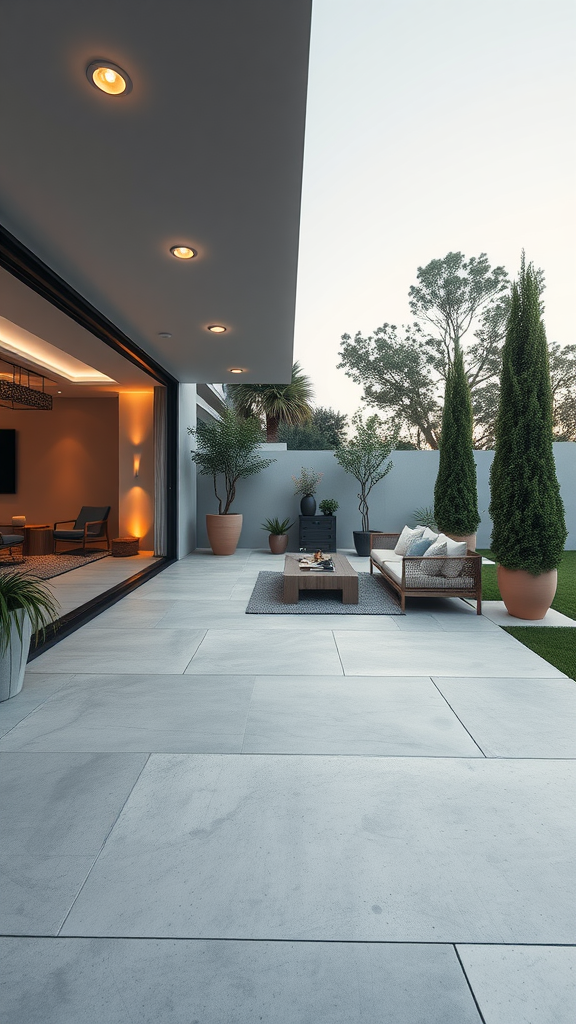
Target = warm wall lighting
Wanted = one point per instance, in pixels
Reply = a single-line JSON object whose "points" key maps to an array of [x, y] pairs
{"points": [[108, 78], [235, 369], [217, 328], [137, 464], [183, 252]]}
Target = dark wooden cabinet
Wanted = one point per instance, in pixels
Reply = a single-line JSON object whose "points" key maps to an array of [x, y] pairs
{"points": [[317, 533]]}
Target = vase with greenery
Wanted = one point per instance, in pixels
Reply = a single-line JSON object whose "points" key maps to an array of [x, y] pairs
{"points": [[227, 451], [26, 607], [364, 456], [307, 484], [329, 506], [277, 534], [277, 403], [529, 530], [455, 492]]}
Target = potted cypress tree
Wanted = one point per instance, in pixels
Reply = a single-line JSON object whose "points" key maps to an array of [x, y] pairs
{"points": [[227, 452], [26, 607], [364, 456], [527, 512], [455, 493]]}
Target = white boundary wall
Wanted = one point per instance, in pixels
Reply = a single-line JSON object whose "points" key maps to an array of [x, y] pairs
{"points": [[409, 485]]}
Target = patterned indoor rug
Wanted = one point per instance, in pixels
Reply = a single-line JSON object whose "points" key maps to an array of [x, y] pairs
{"points": [[44, 567], [373, 598]]}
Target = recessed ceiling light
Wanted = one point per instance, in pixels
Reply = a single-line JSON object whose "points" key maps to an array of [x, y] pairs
{"points": [[235, 369], [217, 328], [183, 252], [108, 77], [164, 334]]}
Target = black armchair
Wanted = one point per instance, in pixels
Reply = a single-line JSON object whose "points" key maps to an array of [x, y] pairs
{"points": [[90, 527]]}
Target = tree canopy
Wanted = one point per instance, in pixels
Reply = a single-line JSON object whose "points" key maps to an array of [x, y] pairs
{"points": [[325, 431], [277, 403]]}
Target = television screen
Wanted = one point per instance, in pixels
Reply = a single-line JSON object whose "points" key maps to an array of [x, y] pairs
{"points": [[7, 462]]}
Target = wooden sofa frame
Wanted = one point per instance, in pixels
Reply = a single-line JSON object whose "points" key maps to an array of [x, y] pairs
{"points": [[411, 566]]}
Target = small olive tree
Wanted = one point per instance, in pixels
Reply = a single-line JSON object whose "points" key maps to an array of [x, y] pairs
{"points": [[227, 448], [364, 456]]}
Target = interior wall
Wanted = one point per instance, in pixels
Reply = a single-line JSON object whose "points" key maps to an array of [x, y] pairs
{"points": [[66, 458], [136, 466]]}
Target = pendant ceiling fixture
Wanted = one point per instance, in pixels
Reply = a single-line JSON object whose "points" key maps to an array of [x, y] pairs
{"points": [[22, 389]]}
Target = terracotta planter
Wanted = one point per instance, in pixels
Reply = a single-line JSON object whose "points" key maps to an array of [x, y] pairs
{"points": [[224, 533], [470, 539], [527, 596], [278, 543]]}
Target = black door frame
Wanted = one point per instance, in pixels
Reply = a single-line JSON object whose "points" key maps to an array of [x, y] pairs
{"points": [[22, 263]]}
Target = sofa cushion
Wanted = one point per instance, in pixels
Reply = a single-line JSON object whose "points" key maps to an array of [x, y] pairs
{"points": [[431, 564], [394, 569], [7, 540], [455, 549], [381, 555], [406, 536], [68, 534], [417, 546]]}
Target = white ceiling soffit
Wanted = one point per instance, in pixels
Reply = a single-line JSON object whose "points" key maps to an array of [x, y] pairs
{"points": [[30, 327], [206, 150]]}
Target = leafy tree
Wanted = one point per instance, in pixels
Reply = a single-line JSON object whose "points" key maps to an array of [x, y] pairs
{"points": [[455, 493], [526, 508], [563, 383], [325, 431], [277, 403], [364, 456], [227, 448]]}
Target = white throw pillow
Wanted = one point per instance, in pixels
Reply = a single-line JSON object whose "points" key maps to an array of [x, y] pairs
{"points": [[455, 547], [429, 534], [438, 548], [406, 536]]}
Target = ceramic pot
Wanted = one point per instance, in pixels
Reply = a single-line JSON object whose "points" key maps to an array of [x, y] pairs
{"points": [[470, 539], [362, 542], [224, 533], [278, 543], [308, 505], [527, 596], [13, 660]]}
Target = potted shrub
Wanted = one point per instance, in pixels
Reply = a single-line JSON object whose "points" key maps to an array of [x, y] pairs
{"points": [[307, 484], [227, 452], [328, 506], [26, 607], [278, 536], [455, 493], [526, 508], [364, 456]]}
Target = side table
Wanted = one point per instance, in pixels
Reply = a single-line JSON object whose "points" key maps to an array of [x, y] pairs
{"points": [[38, 539], [122, 547]]}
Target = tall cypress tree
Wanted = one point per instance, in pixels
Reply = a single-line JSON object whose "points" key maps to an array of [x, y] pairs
{"points": [[455, 494], [526, 508]]}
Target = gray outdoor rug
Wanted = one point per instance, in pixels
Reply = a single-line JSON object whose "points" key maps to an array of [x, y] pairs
{"points": [[44, 567], [373, 599]]}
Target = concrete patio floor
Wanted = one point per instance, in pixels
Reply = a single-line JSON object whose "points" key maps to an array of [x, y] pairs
{"points": [[217, 817]]}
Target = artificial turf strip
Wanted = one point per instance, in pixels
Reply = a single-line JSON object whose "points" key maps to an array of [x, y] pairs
{"points": [[556, 644], [565, 599]]}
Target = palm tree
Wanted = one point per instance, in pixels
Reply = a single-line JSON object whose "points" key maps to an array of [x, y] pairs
{"points": [[279, 403]]}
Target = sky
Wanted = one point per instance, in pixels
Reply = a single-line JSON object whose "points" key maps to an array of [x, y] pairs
{"points": [[433, 126]]}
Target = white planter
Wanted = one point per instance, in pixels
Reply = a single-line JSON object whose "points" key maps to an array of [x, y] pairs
{"points": [[13, 660]]}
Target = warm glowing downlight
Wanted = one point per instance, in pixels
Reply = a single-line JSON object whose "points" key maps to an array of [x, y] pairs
{"points": [[216, 328], [235, 369], [108, 77], [183, 252]]}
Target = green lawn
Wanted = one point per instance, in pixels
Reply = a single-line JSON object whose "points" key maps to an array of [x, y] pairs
{"points": [[557, 644]]}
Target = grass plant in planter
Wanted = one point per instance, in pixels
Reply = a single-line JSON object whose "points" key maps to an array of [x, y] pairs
{"points": [[364, 456], [529, 530], [226, 451], [455, 492], [277, 534], [26, 607]]}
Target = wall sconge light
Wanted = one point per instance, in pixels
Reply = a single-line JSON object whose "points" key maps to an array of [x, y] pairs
{"points": [[137, 464]]}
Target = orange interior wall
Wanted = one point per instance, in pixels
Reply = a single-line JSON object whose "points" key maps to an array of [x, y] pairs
{"points": [[136, 450], [66, 458]]}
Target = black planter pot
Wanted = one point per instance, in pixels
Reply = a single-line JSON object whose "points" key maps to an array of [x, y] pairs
{"points": [[362, 542], [308, 505]]}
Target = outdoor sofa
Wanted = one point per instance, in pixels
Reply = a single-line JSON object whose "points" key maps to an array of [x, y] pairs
{"points": [[459, 576]]}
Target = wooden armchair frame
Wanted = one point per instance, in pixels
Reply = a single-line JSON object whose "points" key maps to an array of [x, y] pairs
{"points": [[410, 584]]}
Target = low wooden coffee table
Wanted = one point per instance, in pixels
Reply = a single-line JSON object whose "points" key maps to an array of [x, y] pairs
{"points": [[344, 578]]}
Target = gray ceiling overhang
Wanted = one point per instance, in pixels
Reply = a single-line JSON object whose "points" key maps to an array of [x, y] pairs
{"points": [[207, 150]]}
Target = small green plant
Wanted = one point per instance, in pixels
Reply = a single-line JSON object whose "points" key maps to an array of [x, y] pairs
{"points": [[328, 506], [307, 482], [424, 516], [21, 592], [277, 528]]}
